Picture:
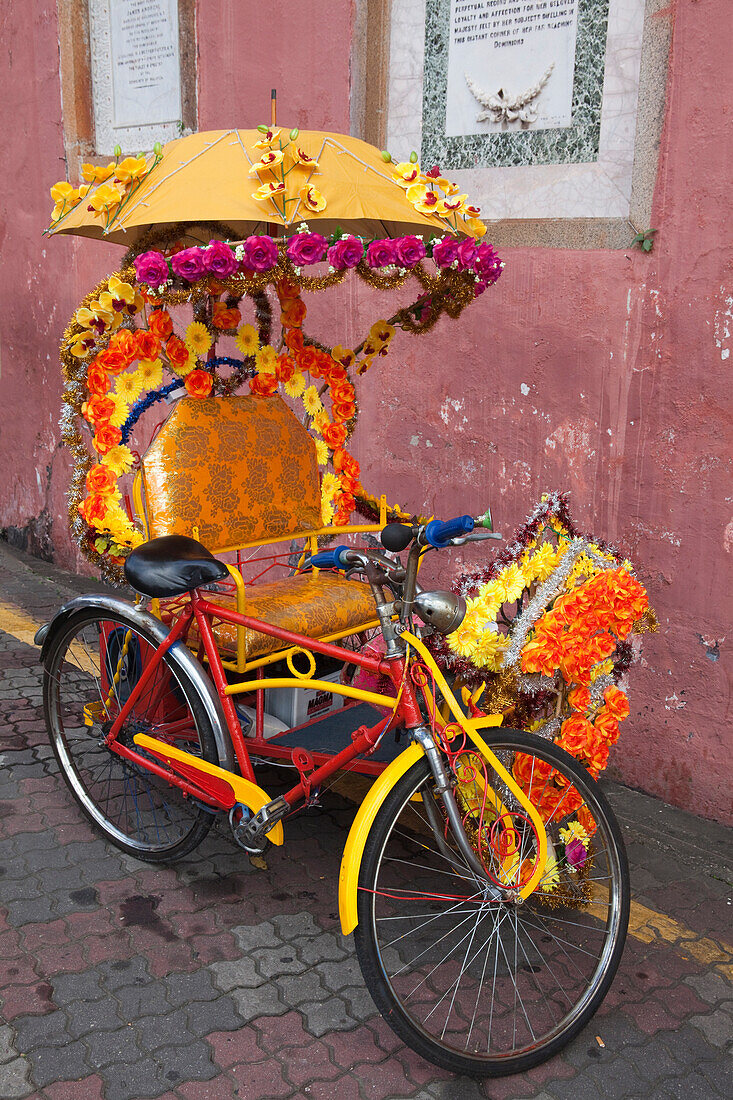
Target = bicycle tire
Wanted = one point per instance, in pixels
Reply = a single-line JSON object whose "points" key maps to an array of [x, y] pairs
{"points": [[136, 810], [393, 878]]}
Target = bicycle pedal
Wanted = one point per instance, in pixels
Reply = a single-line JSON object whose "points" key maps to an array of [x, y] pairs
{"points": [[251, 834]]}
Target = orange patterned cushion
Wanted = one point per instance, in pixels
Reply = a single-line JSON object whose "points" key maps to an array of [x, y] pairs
{"points": [[238, 468], [307, 604]]}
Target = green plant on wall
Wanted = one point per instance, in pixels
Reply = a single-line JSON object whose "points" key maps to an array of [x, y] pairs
{"points": [[645, 240]]}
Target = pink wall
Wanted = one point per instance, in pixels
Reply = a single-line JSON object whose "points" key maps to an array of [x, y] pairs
{"points": [[624, 356]]}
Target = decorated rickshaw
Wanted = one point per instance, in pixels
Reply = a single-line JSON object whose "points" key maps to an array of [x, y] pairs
{"points": [[484, 876]]}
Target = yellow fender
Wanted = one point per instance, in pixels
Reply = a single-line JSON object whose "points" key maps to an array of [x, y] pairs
{"points": [[357, 838], [249, 794]]}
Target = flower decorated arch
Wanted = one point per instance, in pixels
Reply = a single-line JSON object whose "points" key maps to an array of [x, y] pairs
{"points": [[126, 349]]}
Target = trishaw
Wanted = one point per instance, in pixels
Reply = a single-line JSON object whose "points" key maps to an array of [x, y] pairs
{"points": [[484, 876]]}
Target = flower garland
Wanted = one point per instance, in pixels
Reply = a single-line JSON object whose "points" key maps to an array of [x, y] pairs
{"points": [[122, 338], [546, 637]]}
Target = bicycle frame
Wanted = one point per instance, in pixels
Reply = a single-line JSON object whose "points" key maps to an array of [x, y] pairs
{"points": [[218, 788]]}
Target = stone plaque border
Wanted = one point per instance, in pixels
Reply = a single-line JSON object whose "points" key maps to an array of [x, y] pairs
{"points": [[574, 144]]}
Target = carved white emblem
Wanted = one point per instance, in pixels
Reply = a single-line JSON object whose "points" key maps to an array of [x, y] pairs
{"points": [[501, 107]]}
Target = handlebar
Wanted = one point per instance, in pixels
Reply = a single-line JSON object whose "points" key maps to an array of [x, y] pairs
{"points": [[330, 559], [438, 533]]}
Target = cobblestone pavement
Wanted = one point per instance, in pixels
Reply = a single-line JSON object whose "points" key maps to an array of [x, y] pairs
{"points": [[214, 979]]}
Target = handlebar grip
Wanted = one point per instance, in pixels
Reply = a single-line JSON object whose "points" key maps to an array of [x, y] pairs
{"points": [[330, 559], [438, 533]]}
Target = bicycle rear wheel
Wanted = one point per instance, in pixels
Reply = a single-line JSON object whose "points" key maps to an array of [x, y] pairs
{"points": [[90, 672], [477, 984]]}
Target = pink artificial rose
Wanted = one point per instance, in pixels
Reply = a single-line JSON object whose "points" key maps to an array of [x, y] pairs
{"points": [[220, 260], [260, 254], [410, 250], [381, 253], [487, 264], [151, 268], [345, 253], [445, 251], [306, 248], [189, 264], [466, 254], [575, 853]]}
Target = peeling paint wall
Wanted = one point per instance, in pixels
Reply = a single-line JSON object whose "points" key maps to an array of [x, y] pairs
{"points": [[602, 372]]}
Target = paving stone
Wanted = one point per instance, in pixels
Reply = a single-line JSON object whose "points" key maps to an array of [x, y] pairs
{"points": [[123, 972], [336, 975], [321, 948], [205, 1017], [276, 961], [160, 1031], [711, 987], [131, 1081], [717, 1027], [252, 937], [183, 988], [15, 1079], [231, 1047], [64, 1063], [302, 987], [77, 987], [36, 1031], [324, 1016], [261, 1079], [296, 924], [7, 1048], [105, 1047], [83, 1018], [141, 1000], [181, 1063], [240, 974], [263, 1001]]}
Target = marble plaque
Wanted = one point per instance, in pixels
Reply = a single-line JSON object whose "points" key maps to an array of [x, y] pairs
{"points": [[509, 83], [146, 72], [510, 65]]}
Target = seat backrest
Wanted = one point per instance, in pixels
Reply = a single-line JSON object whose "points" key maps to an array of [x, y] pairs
{"points": [[236, 468]]}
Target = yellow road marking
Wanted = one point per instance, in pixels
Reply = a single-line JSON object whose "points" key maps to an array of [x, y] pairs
{"points": [[18, 623]]}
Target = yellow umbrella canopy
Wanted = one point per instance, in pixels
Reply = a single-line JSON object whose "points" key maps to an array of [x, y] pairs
{"points": [[254, 180]]}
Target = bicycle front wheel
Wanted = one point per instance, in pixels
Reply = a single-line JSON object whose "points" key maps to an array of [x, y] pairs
{"points": [[89, 675], [467, 975]]}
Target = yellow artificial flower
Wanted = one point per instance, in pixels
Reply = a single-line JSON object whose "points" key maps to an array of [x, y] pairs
{"points": [[119, 459], [122, 292], [511, 583], [550, 875], [320, 420], [487, 647], [381, 333], [453, 204], [425, 200], [96, 317], [268, 191], [312, 198], [105, 198], [327, 511], [247, 339], [96, 174], [295, 387], [321, 449], [150, 373], [447, 187], [311, 401], [197, 338], [544, 562], [191, 364], [267, 161], [575, 831], [121, 410], [81, 344], [266, 360], [304, 160], [407, 174], [476, 226], [464, 640], [603, 668], [128, 386], [329, 486], [131, 168], [267, 139], [344, 356], [65, 197]]}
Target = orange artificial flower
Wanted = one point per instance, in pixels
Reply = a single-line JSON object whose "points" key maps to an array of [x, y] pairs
{"points": [[263, 385], [334, 435], [286, 289], [576, 735], [124, 342], [343, 410], [285, 368], [308, 360], [97, 379], [198, 383], [606, 726], [98, 409], [617, 703], [112, 361], [294, 339], [160, 324], [579, 699], [100, 479], [293, 313], [106, 437], [147, 345], [224, 318], [94, 509], [176, 351]]}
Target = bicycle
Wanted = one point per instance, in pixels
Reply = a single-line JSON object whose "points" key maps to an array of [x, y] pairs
{"points": [[484, 876]]}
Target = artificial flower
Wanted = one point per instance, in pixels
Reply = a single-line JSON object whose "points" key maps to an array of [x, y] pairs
{"points": [[424, 200], [197, 338], [293, 314], [268, 191], [295, 387], [131, 168], [122, 406], [177, 353], [188, 264], [225, 317], [100, 479], [247, 340], [151, 268], [81, 344], [263, 385], [306, 248], [94, 509], [160, 324], [127, 388], [198, 383], [312, 199], [104, 199], [93, 173], [123, 295], [321, 451], [106, 437], [410, 250], [150, 373], [98, 409], [269, 137], [147, 345], [304, 159], [119, 459], [268, 160], [285, 367], [617, 703], [311, 401], [381, 253], [346, 253], [475, 226], [344, 356], [407, 174], [259, 254], [220, 260], [266, 360], [445, 251]]}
